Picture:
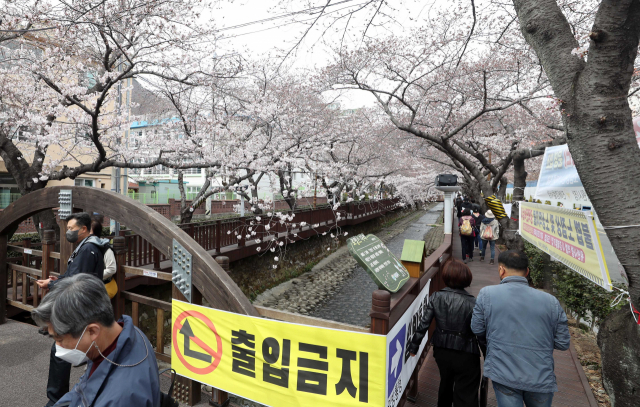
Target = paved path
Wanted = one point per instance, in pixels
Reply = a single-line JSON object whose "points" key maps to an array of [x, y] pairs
{"points": [[572, 385], [24, 366], [352, 302]]}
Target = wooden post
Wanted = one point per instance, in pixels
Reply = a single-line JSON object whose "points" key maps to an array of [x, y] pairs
{"points": [[380, 309], [187, 391], [243, 232], [156, 259], [223, 261], [120, 252], [3, 278], [26, 243], [160, 331], [66, 248], [48, 246], [218, 235]]}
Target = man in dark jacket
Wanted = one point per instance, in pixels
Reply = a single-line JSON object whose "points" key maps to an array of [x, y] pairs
{"points": [[87, 258]]}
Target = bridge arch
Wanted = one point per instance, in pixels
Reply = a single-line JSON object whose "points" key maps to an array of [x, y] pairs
{"points": [[209, 278]]}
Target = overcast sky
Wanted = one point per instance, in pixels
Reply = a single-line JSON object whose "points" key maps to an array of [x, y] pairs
{"points": [[276, 37]]}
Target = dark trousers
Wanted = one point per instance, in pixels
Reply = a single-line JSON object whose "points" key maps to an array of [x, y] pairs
{"points": [[59, 376], [459, 377], [467, 246]]}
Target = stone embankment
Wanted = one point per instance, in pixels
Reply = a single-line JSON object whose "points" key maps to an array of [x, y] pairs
{"points": [[308, 293]]}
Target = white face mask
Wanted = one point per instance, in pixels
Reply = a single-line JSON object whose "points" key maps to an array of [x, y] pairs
{"points": [[74, 356]]}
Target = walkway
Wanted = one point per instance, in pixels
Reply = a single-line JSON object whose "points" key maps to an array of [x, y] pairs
{"points": [[352, 303], [24, 365], [573, 388]]}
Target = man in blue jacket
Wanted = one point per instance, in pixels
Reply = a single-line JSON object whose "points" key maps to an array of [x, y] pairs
{"points": [[122, 369], [521, 326], [87, 258]]}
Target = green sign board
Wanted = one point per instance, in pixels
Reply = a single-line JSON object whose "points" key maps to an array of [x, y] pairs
{"points": [[412, 251], [384, 268]]}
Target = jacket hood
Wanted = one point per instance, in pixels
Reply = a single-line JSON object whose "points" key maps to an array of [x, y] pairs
{"points": [[487, 221], [101, 243]]}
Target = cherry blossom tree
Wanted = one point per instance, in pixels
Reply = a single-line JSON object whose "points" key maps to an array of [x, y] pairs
{"points": [[62, 82]]}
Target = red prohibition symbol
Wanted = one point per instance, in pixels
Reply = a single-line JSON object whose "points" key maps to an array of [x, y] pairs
{"points": [[214, 356]]}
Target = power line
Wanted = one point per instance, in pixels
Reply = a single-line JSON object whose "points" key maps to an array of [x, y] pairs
{"points": [[291, 22], [283, 16]]}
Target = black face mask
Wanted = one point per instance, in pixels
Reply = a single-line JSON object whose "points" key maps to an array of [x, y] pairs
{"points": [[72, 236]]}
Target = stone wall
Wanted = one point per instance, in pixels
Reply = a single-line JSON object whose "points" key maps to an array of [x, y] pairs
{"points": [[256, 273]]}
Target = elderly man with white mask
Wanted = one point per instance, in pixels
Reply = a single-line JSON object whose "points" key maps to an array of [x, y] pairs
{"points": [[121, 366]]}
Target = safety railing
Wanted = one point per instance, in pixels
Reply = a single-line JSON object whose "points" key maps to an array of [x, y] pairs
{"points": [[387, 309]]}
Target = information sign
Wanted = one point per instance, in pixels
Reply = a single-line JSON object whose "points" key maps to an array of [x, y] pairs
{"points": [[570, 236], [384, 268], [276, 363]]}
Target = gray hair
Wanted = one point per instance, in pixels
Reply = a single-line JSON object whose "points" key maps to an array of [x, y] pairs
{"points": [[73, 303]]}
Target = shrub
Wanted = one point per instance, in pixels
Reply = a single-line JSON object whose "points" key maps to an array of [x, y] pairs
{"points": [[579, 296]]}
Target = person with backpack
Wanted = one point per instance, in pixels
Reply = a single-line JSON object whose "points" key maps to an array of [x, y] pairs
{"points": [[489, 232], [478, 218], [467, 234], [108, 277]]}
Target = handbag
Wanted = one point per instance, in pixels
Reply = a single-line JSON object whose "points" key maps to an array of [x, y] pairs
{"points": [[112, 288], [484, 391]]}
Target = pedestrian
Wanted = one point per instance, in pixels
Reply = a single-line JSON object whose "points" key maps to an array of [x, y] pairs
{"points": [[121, 365], [522, 326], [489, 233], [466, 225], [87, 258], [455, 347], [458, 206], [477, 218], [466, 204], [109, 258]]}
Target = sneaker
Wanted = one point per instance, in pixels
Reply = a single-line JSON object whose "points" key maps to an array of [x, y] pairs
{"points": [[491, 261], [481, 258], [470, 258], [465, 261]]}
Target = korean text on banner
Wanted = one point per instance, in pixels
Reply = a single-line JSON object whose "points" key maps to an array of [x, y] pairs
{"points": [[276, 363], [558, 179], [400, 364], [569, 236]]}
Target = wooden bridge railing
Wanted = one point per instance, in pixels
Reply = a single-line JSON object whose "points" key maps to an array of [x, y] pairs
{"points": [[387, 308], [214, 235]]}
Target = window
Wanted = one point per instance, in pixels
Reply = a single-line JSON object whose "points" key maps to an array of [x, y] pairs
{"points": [[81, 182], [193, 190], [192, 171]]}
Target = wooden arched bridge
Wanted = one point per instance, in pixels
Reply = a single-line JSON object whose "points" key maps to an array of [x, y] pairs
{"points": [[212, 284]]}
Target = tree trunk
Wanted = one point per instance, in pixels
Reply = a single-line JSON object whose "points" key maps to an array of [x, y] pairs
{"points": [[602, 142]]}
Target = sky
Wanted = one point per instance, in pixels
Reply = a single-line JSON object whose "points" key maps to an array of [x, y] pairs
{"points": [[278, 36]]}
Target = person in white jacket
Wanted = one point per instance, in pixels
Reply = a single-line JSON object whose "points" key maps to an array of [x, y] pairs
{"points": [[489, 232], [109, 259]]}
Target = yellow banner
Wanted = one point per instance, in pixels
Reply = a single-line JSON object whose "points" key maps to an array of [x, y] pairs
{"points": [[277, 363], [569, 236]]}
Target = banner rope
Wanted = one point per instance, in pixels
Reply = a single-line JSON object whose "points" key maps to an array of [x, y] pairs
{"points": [[620, 297]]}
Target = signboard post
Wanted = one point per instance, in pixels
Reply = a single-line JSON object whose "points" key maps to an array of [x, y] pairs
{"points": [[384, 268], [569, 236]]}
